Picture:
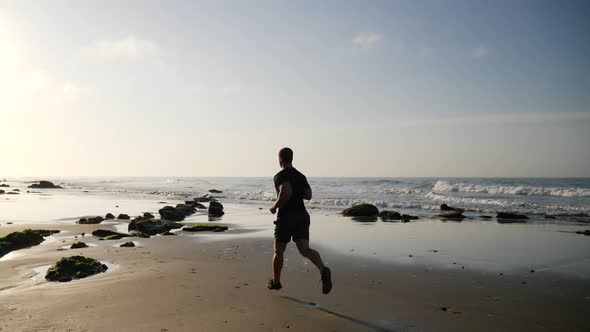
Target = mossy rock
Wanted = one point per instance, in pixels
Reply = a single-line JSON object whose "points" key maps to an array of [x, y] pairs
{"points": [[46, 232], [24, 239], [361, 210], [74, 267], [78, 245], [114, 237], [105, 233], [205, 228], [153, 226]]}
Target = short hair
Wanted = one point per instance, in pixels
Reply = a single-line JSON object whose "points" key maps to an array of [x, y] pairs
{"points": [[286, 155]]}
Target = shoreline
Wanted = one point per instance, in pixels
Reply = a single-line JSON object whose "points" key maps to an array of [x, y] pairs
{"points": [[179, 283]]}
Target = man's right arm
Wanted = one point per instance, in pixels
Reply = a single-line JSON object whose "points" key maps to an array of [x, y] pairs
{"points": [[307, 193]]}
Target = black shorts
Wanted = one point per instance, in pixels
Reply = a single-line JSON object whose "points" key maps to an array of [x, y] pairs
{"points": [[293, 225]]}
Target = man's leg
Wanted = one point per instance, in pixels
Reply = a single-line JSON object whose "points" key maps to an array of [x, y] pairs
{"points": [[311, 254], [314, 256], [277, 260]]}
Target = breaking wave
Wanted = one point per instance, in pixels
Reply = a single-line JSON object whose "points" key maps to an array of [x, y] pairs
{"points": [[444, 186]]}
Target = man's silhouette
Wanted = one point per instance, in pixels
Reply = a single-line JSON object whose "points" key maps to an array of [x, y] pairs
{"points": [[293, 220]]}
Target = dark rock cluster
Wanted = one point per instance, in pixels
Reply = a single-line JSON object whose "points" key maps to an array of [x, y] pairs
{"points": [[45, 185]]}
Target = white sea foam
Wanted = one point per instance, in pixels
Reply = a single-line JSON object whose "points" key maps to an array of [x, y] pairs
{"points": [[445, 186], [485, 204]]}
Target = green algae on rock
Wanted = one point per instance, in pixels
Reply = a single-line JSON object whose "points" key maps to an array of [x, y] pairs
{"points": [[205, 228], [74, 267], [78, 245]]}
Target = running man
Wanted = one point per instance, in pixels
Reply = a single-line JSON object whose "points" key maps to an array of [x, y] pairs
{"points": [[293, 221]]}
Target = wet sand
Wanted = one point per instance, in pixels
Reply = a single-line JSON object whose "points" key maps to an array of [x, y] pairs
{"points": [[188, 283]]}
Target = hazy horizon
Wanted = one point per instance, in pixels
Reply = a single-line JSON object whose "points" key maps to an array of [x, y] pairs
{"points": [[216, 88]]}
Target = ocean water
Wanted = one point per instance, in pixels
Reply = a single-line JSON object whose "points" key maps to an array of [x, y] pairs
{"points": [[568, 199]]}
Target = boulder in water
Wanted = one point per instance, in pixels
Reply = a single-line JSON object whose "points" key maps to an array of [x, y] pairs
{"points": [[390, 215], [407, 218], [586, 232], [215, 191], [45, 185], [215, 209], [148, 215], [128, 244], [361, 210], [203, 198], [74, 267], [455, 215], [109, 216], [195, 205], [509, 215], [123, 216], [4, 185], [445, 207], [187, 210]]}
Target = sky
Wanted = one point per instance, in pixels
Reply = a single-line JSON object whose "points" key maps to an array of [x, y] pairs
{"points": [[355, 88]]}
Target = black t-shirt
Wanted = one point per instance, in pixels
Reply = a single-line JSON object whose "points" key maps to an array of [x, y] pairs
{"points": [[298, 185]]}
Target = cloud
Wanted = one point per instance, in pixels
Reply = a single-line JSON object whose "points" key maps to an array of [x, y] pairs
{"points": [[128, 48], [498, 119], [480, 52], [366, 40], [71, 92]]}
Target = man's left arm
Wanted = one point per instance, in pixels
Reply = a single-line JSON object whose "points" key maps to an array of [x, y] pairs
{"points": [[285, 192]]}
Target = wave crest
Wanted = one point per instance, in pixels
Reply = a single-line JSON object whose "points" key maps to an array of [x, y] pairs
{"points": [[444, 186]]}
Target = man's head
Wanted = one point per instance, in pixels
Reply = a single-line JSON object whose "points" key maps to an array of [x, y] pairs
{"points": [[285, 157]]}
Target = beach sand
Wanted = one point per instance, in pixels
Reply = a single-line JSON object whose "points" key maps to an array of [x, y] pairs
{"points": [[190, 283]]}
